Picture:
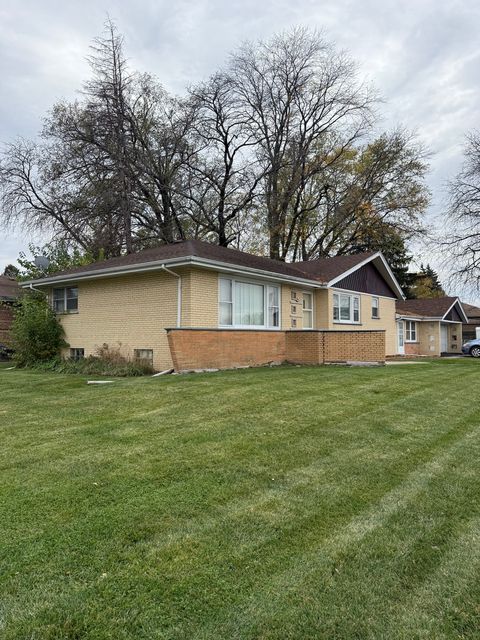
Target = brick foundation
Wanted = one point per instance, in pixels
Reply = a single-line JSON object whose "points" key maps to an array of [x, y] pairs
{"points": [[6, 319], [412, 349], [226, 349]]}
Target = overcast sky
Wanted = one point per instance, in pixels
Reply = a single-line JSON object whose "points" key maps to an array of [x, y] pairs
{"points": [[422, 55]]}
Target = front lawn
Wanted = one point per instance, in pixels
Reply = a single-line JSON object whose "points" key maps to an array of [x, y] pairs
{"points": [[282, 503]]}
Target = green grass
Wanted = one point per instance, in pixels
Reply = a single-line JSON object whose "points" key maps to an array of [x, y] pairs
{"points": [[282, 503]]}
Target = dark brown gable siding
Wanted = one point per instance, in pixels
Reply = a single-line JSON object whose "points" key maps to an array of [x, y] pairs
{"points": [[454, 315], [367, 279]]}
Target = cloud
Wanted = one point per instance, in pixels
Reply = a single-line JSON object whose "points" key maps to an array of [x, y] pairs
{"points": [[423, 56]]}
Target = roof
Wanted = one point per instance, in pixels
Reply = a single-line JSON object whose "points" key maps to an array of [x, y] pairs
{"points": [[471, 311], [9, 289], [427, 307], [321, 272], [190, 248], [329, 268]]}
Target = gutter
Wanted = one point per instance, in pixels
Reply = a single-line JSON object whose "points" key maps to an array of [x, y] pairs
{"points": [[179, 293], [160, 265]]}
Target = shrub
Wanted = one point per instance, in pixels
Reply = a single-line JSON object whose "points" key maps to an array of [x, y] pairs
{"points": [[107, 361], [37, 335]]}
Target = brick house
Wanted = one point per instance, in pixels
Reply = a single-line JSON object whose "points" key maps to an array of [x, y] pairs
{"points": [[430, 326], [192, 305], [469, 329], [9, 293]]}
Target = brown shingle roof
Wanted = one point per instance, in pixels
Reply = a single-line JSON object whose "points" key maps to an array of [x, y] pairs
{"points": [[9, 289], [329, 268], [429, 307], [471, 311], [321, 270]]}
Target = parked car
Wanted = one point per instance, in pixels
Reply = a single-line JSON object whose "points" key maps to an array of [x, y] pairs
{"points": [[472, 348]]}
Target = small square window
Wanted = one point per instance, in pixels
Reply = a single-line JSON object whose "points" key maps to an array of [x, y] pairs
{"points": [[145, 355], [76, 353]]}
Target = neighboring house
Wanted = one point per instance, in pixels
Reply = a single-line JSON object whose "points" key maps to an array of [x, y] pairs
{"points": [[9, 293], [430, 326], [194, 305], [469, 328]]}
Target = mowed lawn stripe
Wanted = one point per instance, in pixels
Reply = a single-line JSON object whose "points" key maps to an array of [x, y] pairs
{"points": [[198, 507]]}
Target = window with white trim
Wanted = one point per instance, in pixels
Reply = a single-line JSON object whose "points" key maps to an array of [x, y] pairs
{"points": [[346, 308], [77, 353], [375, 307], [248, 304], [410, 331], [307, 310], [65, 299]]}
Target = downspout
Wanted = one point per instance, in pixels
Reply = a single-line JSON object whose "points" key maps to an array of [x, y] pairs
{"points": [[45, 293], [179, 293]]}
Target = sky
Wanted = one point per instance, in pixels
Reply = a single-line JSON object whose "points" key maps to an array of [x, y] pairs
{"points": [[422, 56]]}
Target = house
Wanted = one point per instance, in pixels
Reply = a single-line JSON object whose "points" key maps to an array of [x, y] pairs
{"points": [[469, 328], [192, 305], [9, 294], [429, 326]]}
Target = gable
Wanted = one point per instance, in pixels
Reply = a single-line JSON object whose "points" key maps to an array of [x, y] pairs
{"points": [[367, 279], [454, 315]]}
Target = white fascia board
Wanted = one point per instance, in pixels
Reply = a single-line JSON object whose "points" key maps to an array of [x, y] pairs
{"points": [[358, 266], [110, 272], [457, 300]]}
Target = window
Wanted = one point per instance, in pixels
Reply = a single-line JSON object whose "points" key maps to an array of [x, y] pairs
{"points": [[77, 354], [248, 304], [293, 296], [65, 299], [293, 310], [307, 311], [293, 323], [226, 302], [410, 331], [273, 307], [145, 355], [375, 308], [346, 308]]}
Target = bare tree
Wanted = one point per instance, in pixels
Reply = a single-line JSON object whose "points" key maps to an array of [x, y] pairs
{"points": [[223, 175], [461, 236], [298, 94]]}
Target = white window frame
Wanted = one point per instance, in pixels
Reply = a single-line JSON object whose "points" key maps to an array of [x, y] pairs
{"points": [[266, 286], [377, 307], [353, 297], [308, 293], [408, 331], [54, 300]]}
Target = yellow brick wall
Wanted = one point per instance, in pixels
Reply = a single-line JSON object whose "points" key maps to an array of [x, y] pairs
{"points": [[126, 312], [200, 298], [292, 308], [385, 322]]}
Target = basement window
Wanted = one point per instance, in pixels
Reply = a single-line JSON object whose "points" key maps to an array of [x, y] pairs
{"points": [[77, 353], [144, 355]]}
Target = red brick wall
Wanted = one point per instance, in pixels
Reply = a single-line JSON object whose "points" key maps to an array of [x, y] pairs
{"points": [[217, 349], [304, 347], [224, 349], [6, 318], [412, 348], [356, 346]]}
